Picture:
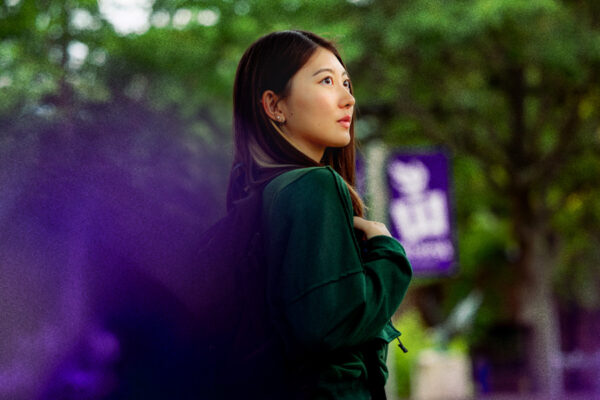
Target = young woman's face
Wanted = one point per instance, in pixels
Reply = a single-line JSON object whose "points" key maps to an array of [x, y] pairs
{"points": [[318, 110]]}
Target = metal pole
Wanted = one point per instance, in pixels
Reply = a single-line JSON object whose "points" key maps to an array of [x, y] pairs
{"points": [[377, 202]]}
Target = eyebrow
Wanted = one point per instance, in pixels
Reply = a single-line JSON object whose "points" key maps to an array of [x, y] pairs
{"points": [[329, 70]]}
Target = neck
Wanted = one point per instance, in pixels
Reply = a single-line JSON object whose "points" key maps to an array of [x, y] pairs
{"points": [[311, 151]]}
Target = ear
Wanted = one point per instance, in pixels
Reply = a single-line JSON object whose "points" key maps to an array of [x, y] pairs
{"points": [[270, 103]]}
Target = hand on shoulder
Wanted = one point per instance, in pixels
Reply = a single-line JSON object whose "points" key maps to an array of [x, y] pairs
{"points": [[371, 228]]}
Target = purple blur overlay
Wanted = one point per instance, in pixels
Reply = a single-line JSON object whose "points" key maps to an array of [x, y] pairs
{"points": [[100, 221], [420, 211]]}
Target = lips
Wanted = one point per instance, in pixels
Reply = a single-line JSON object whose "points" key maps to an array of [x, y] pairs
{"points": [[345, 122]]}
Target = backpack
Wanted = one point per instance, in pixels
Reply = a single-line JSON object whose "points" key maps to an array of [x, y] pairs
{"points": [[238, 347]]}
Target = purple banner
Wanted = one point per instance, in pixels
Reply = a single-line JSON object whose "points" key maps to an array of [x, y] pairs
{"points": [[420, 212]]}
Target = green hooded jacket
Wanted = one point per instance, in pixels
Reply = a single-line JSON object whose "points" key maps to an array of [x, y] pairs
{"points": [[331, 296]]}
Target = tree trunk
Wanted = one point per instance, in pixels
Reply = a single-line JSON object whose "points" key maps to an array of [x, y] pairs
{"points": [[537, 309]]}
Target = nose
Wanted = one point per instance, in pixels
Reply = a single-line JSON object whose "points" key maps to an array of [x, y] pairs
{"points": [[347, 100]]}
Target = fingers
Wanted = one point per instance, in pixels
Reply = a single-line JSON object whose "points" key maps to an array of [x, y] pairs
{"points": [[371, 228], [359, 223]]}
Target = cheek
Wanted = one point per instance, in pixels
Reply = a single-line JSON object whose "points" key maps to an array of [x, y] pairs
{"points": [[313, 106], [311, 101]]}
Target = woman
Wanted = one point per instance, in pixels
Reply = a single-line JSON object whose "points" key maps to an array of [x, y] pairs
{"points": [[331, 290]]}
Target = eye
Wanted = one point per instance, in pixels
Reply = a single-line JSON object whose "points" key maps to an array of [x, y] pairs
{"points": [[327, 80], [347, 84]]}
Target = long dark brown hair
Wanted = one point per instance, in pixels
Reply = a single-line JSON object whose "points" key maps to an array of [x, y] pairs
{"points": [[260, 149]]}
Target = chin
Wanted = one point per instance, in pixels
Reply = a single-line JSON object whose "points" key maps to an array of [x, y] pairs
{"points": [[345, 141], [341, 141]]}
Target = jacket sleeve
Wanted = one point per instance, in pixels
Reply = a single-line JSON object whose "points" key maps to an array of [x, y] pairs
{"points": [[325, 295]]}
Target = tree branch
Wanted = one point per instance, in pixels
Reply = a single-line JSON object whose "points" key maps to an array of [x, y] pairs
{"points": [[549, 164], [459, 140]]}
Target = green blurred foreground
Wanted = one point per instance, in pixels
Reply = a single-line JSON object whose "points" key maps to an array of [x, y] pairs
{"points": [[511, 87]]}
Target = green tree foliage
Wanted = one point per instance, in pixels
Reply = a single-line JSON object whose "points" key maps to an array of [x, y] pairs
{"points": [[513, 87]]}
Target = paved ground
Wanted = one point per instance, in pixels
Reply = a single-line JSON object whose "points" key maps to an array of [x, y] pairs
{"points": [[588, 396]]}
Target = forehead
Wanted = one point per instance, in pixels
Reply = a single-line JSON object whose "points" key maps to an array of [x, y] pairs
{"points": [[321, 58]]}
